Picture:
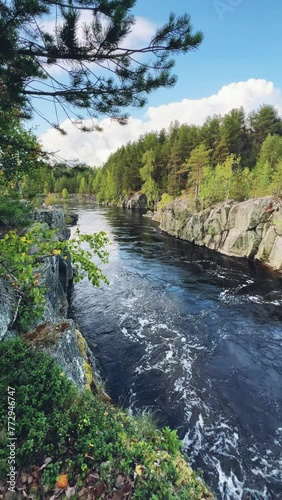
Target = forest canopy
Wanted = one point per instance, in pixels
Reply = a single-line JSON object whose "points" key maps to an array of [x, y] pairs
{"points": [[232, 156]]}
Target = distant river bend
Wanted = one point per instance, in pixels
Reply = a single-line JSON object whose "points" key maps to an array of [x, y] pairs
{"points": [[195, 338]]}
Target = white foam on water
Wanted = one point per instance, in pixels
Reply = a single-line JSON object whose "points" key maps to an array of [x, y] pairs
{"points": [[256, 299], [230, 487]]}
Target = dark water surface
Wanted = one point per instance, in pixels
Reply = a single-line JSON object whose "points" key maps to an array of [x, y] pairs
{"points": [[196, 338]]}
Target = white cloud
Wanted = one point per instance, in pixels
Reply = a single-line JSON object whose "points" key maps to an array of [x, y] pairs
{"points": [[95, 147], [141, 33]]}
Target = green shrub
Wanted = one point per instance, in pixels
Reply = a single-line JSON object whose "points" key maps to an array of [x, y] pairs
{"points": [[65, 194], [14, 213], [20, 265], [43, 396], [165, 199], [50, 199]]}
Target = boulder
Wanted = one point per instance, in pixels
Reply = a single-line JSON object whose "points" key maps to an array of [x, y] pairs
{"points": [[59, 340], [55, 219], [266, 244], [241, 243], [138, 200]]}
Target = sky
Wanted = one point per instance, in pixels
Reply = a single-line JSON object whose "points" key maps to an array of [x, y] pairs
{"points": [[238, 64]]}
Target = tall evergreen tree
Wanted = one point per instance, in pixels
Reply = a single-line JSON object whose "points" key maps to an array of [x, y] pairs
{"points": [[30, 51], [149, 188], [210, 131], [263, 122], [199, 158], [234, 131], [271, 150]]}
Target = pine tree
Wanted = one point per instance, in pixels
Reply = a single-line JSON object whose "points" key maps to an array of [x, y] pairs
{"points": [[271, 150], [104, 75], [276, 181], [199, 158], [174, 173], [234, 131], [263, 122], [149, 188]]}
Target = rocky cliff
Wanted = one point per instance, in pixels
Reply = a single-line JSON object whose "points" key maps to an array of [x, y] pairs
{"points": [[53, 333], [251, 229], [55, 277]]}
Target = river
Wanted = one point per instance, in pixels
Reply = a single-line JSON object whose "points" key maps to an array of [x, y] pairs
{"points": [[195, 338]]}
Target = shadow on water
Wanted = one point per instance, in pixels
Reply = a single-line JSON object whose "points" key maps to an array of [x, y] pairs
{"points": [[194, 337]]}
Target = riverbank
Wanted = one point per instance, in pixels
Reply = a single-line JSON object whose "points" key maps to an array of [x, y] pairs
{"points": [[70, 439], [250, 229], [195, 336]]}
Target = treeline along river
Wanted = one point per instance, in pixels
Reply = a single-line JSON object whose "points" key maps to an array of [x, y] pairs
{"points": [[195, 338]]}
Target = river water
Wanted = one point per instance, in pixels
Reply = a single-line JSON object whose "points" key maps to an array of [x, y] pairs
{"points": [[195, 338]]}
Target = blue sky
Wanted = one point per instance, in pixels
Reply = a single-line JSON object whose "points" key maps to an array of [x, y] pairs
{"points": [[238, 64], [243, 42]]}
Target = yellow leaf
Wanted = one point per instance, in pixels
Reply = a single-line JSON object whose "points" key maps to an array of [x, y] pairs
{"points": [[56, 252], [139, 470]]}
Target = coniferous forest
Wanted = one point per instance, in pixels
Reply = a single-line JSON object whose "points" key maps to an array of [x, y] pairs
{"points": [[232, 156], [236, 156]]}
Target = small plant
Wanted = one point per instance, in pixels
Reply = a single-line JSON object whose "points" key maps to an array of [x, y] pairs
{"points": [[165, 199], [212, 231], [65, 194], [21, 257], [50, 199]]}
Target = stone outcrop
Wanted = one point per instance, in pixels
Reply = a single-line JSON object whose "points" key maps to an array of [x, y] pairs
{"points": [[251, 229], [53, 333], [55, 272], [137, 201], [55, 275], [55, 219], [70, 350], [8, 308], [59, 341]]}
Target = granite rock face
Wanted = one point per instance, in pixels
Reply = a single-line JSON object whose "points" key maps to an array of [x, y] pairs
{"points": [[137, 201], [251, 229], [8, 307], [55, 219], [55, 276], [55, 272], [53, 333], [59, 340]]}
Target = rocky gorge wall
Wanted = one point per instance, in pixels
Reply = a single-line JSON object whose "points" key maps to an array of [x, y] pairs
{"points": [[54, 333], [251, 229]]}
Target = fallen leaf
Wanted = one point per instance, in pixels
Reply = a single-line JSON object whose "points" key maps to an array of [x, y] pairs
{"points": [[62, 481]]}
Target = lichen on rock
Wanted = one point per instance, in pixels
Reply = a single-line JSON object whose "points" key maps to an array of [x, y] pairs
{"points": [[250, 229]]}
